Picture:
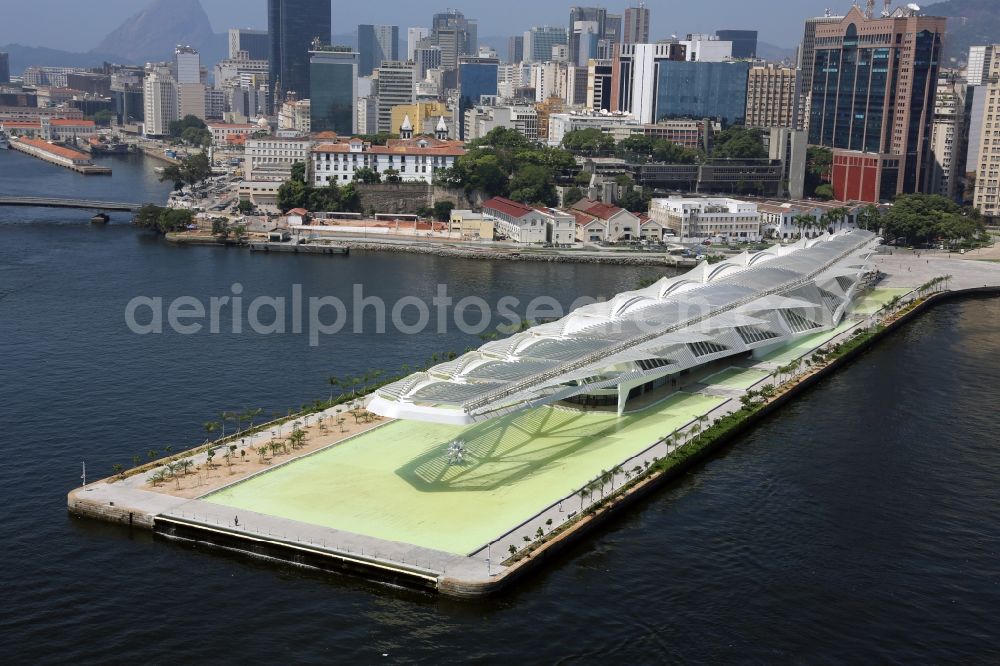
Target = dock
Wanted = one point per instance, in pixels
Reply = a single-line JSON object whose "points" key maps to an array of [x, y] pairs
{"points": [[60, 155], [300, 248]]}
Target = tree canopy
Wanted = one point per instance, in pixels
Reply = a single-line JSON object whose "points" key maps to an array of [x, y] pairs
{"points": [[590, 141], [192, 169], [294, 193], [929, 217], [819, 162], [162, 220], [737, 142], [506, 163]]}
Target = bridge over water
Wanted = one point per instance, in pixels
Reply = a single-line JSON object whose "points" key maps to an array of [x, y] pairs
{"points": [[84, 204]]}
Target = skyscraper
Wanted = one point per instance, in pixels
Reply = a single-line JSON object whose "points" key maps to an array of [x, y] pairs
{"points": [[333, 93], [949, 136], [873, 86], [702, 90], [579, 18], [476, 77], [254, 42], [515, 49], [744, 42], [376, 43], [187, 65], [635, 76], [538, 42], [4, 67], [413, 37], [455, 35], [396, 86], [636, 25], [292, 26]]}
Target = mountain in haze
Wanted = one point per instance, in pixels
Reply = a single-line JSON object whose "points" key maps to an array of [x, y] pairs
{"points": [[970, 23], [775, 53], [152, 34], [22, 57]]}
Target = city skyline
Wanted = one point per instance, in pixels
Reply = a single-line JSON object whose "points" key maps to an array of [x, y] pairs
{"points": [[90, 24]]}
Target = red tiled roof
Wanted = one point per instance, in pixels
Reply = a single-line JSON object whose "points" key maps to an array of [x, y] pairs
{"points": [[582, 219], [55, 122], [507, 207], [298, 211], [603, 211], [61, 151], [67, 122]]}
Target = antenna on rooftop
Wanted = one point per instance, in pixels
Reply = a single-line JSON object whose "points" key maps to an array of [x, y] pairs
{"points": [[887, 8], [870, 9]]}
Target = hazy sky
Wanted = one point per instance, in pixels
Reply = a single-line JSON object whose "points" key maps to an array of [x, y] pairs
{"points": [[81, 24]]}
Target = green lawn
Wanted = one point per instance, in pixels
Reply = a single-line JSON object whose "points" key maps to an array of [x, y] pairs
{"points": [[395, 483], [876, 299], [735, 378]]}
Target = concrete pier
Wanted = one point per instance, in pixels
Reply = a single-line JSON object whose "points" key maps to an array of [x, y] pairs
{"points": [[489, 569], [59, 155]]}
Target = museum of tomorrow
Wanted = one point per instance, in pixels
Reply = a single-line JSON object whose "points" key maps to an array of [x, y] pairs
{"points": [[641, 340]]}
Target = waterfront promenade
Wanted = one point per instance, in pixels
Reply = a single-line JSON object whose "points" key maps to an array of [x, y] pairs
{"points": [[458, 568]]}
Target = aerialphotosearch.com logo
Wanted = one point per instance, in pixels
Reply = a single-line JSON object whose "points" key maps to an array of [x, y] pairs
{"points": [[319, 316]]}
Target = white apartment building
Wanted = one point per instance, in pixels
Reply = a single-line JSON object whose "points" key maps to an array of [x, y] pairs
{"points": [[562, 123], [946, 136], [413, 160], [413, 36], [225, 133], [700, 218], [987, 197], [271, 159], [159, 97], [480, 120]]}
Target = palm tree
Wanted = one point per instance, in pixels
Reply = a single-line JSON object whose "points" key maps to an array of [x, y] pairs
{"points": [[803, 222], [584, 493], [210, 427], [251, 414], [223, 417], [334, 382]]}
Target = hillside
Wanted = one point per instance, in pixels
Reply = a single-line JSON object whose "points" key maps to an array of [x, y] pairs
{"points": [[970, 22], [153, 33]]}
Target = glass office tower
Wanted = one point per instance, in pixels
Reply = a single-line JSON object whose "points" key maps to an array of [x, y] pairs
{"points": [[292, 26], [476, 77], [702, 90], [333, 76]]}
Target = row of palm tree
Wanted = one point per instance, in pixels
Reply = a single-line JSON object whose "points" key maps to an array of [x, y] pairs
{"points": [[828, 220]]}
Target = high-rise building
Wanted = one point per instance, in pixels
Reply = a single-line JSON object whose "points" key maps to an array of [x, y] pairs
{"points": [[987, 195], [599, 76], [773, 96], [789, 146], [515, 49], [744, 42], [476, 77], [715, 90], [333, 76], [873, 87], [191, 100], [456, 36], [949, 136], [255, 43], [4, 67], [635, 76], [586, 24], [538, 42], [292, 26], [413, 37], [396, 85], [427, 57], [187, 65], [980, 62], [127, 93], [376, 43], [806, 60], [977, 74], [159, 96], [635, 28]]}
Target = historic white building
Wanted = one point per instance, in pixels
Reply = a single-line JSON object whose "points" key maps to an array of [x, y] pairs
{"points": [[527, 224], [410, 159], [271, 158]]}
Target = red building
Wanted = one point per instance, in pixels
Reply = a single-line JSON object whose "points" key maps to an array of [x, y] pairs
{"points": [[859, 176]]}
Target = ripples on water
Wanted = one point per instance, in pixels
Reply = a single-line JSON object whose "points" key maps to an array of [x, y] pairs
{"points": [[863, 523]]}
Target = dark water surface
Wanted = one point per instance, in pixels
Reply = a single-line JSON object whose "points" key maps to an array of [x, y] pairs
{"points": [[863, 523]]}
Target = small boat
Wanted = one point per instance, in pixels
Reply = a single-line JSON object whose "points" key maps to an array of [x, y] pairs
{"points": [[100, 218]]}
